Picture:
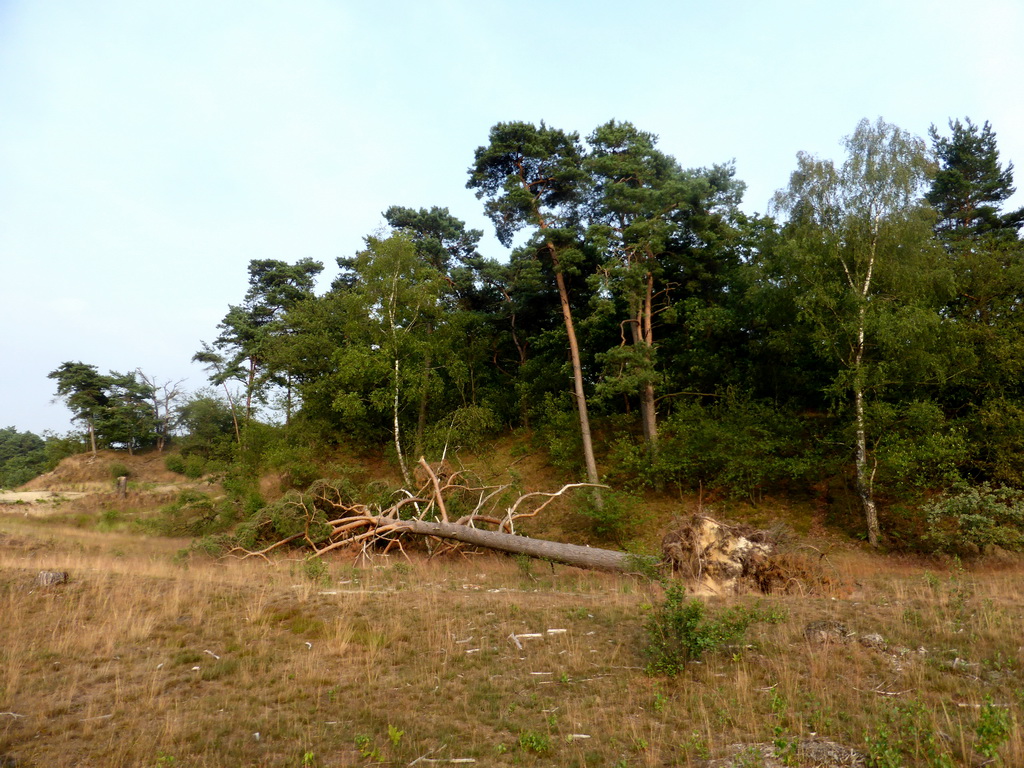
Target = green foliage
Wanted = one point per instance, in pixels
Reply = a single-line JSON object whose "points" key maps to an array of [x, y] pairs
{"points": [[531, 741], [560, 433], [918, 449], [297, 465], [971, 518], [679, 632], [118, 469], [195, 466], [713, 349], [992, 730], [208, 425], [906, 734], [971, 183], [996, 430], [468, 427], [615, 519], [367, 748], [316, 570], [22, 457], [60, 447], [743, 446], [117, 409], [193, 514], [175, 463], [395, 735]]}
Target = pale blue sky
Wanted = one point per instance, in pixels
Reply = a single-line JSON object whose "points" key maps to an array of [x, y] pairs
{"points": [[149, 151]]}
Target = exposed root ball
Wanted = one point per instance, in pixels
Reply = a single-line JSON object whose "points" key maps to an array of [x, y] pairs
{"points": [[722, 558]]}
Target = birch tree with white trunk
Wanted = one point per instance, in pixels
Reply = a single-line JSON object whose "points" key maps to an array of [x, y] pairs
{"points": [[854, 237]]}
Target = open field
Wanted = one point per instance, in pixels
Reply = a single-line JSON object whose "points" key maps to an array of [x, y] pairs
{"points": [[148, 659], [150, 656]]}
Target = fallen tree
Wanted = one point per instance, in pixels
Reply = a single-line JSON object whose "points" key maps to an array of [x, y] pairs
{"points": [[331, 520], [717, 558]]}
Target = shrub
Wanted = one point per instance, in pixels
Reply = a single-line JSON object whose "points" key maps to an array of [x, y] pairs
{"points": [[997, 441], [193, 514], [972, 518], [117, 469], [296, 465], [919, 449], [175, 463], [678, 632], [195, 466], [467, 427], [615, 519], [742, 446]]}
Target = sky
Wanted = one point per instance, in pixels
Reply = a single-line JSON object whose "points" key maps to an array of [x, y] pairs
{"points": [[150, 150]]}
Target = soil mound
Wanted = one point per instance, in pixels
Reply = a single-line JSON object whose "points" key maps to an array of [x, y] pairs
{"points": [[87, 471]]}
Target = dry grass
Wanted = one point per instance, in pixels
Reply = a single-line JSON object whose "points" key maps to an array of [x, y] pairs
{"points": [[148, 659], [144, 661]]}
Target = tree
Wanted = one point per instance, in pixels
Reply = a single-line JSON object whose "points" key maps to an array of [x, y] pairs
{"points": [[209, 425], [248, 329], [22, 457], [534, 177], [115, 408], [163, 395], [632, 226], [443, 242], [987, 258], [220, 373], [857, 236], [971, 184], [660, 229], [389, 301], [129, 419], [84, 390]]}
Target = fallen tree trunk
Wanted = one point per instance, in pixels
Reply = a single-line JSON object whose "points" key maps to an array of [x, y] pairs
{"points": [[569, 554], [330, 522]]}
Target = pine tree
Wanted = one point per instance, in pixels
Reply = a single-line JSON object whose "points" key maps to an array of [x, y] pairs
{"points": [[971, 184]]}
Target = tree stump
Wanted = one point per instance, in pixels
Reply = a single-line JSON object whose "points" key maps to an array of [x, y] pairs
{"points": [[51, 578]]}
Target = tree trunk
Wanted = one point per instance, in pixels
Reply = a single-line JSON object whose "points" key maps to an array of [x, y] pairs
{"points": [[649, 409], [577, 374], [642, 329], [569, 554], [234, 414], [864, 480], [398, 440]]}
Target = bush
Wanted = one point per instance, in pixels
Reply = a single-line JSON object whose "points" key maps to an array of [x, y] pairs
{"points": [[117, 469], [192, 514], [467, 427], [617, 517], [997, 441], [175, 463], [678, 632], [973, 518], [195, 466], [742, 446], [918, 450], [297, 466]]}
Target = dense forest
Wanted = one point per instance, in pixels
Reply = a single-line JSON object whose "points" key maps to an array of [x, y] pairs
{"points": [[866, 334]]}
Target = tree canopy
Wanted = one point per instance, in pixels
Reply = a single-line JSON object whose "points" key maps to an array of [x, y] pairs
{"points": [[866, 336]]}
